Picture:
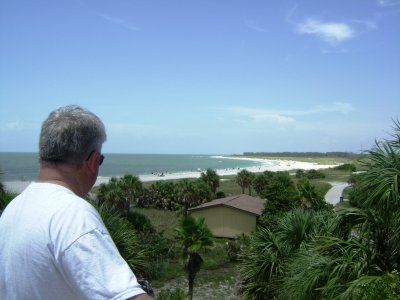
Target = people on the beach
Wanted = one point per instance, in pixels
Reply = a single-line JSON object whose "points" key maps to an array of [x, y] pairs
{"points": [[54, 244]]}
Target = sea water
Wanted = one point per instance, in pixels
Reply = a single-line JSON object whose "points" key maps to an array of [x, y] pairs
{"points": [[25, 166]]}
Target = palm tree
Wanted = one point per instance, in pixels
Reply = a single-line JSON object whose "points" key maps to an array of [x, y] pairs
{"points": [[263, 264], [130, 186], [119, 194], [259, 183], [311, 198], [161, 194], [186, 195], [245, 179], [193, 235], [110, 195], [212, 179], [363, 254], [192, 193], [126, 240]]}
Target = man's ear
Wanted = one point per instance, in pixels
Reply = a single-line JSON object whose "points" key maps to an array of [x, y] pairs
{"points": [[93, 162]]}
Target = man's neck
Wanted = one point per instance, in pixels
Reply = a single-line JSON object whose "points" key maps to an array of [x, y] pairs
{"points": [[63, 175]]}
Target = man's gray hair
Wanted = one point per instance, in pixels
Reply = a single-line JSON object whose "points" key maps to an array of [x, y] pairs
{"points": [[69, 134]]}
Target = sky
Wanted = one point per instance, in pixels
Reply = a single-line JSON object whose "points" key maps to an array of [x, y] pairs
{"points": [[204, 76]]}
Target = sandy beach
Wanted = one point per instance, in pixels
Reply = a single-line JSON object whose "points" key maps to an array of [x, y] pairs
{"points": [[278, 165]]}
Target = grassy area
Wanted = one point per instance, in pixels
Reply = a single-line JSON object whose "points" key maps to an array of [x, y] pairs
{"points": [[163, 220], [209, 284], [342, 205], [318, 160], [218, 278], [335, 175], [229, 186]]}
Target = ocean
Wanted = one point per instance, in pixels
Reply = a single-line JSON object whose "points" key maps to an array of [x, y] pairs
{"points": [[25, 166]]}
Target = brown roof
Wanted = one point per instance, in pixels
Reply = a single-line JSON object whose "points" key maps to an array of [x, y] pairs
{"points": [[242, 202]]}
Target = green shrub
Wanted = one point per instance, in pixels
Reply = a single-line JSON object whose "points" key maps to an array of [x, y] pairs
{"points": [[385, 287], [281, 194], [300, 173], [158, 248], [127, 242], [140, 222], [314, 174], [220, 195], [234, 247], [232, 250], [5, 198], [169, 294], [346, 167]]}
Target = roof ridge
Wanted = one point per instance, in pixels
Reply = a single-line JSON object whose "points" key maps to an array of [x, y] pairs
{"points": [[233, 198]]}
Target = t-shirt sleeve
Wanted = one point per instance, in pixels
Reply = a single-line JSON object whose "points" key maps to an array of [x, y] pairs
{"points": [[95, 270]]}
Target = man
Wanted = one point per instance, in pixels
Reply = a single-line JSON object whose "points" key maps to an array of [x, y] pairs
{"points": [[53, 243]]}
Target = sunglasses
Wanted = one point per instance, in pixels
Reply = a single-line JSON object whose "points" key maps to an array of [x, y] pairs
{"points": [[101, 158]]}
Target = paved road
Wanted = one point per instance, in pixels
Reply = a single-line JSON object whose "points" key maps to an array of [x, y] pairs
{"points": [[334, 194]]}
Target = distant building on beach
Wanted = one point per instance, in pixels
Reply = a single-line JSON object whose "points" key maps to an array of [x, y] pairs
{"points": [[231, 216]]}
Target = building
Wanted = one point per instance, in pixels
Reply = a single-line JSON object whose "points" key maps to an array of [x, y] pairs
{"points": [[231, 216]]}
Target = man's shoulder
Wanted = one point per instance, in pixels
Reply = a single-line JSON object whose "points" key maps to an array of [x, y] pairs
{"points": [[73, 218], [59, 196]]}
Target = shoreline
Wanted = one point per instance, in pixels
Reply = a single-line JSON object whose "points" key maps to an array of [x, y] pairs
{"points": [[267, 165]]}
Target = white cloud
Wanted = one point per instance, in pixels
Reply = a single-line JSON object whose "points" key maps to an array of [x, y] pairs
{"points": [[18, 125], [386, 3], [12, 125], [259, 115], [334, 51], [254, 26], [337, 107], [134, 130], [332, 33], [290, 14], [245, 114], [342, 107], [120, 22], [369, 24]]}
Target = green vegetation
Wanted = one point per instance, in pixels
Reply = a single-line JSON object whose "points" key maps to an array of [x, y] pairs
{"points": [[302, 248], [318, 160], [347, 167], [263, 264], [119, 194], [310, 174], [172, 294], [193, 235], [126, 239], [348, 254], [5, 197], [211, 178], [245, 180], [317, 157]]}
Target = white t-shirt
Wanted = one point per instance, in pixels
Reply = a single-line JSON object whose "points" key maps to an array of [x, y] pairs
{"points": [[54, 245]]}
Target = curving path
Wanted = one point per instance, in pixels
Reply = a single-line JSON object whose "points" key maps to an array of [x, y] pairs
{"points": [[336, 191]]}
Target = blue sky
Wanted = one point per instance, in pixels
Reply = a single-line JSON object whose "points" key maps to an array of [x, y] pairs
{"points": [[202, 76]]}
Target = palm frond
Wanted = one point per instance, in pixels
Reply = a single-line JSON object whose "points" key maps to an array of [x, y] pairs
{"points": [[386, 286], [125, 238]]}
